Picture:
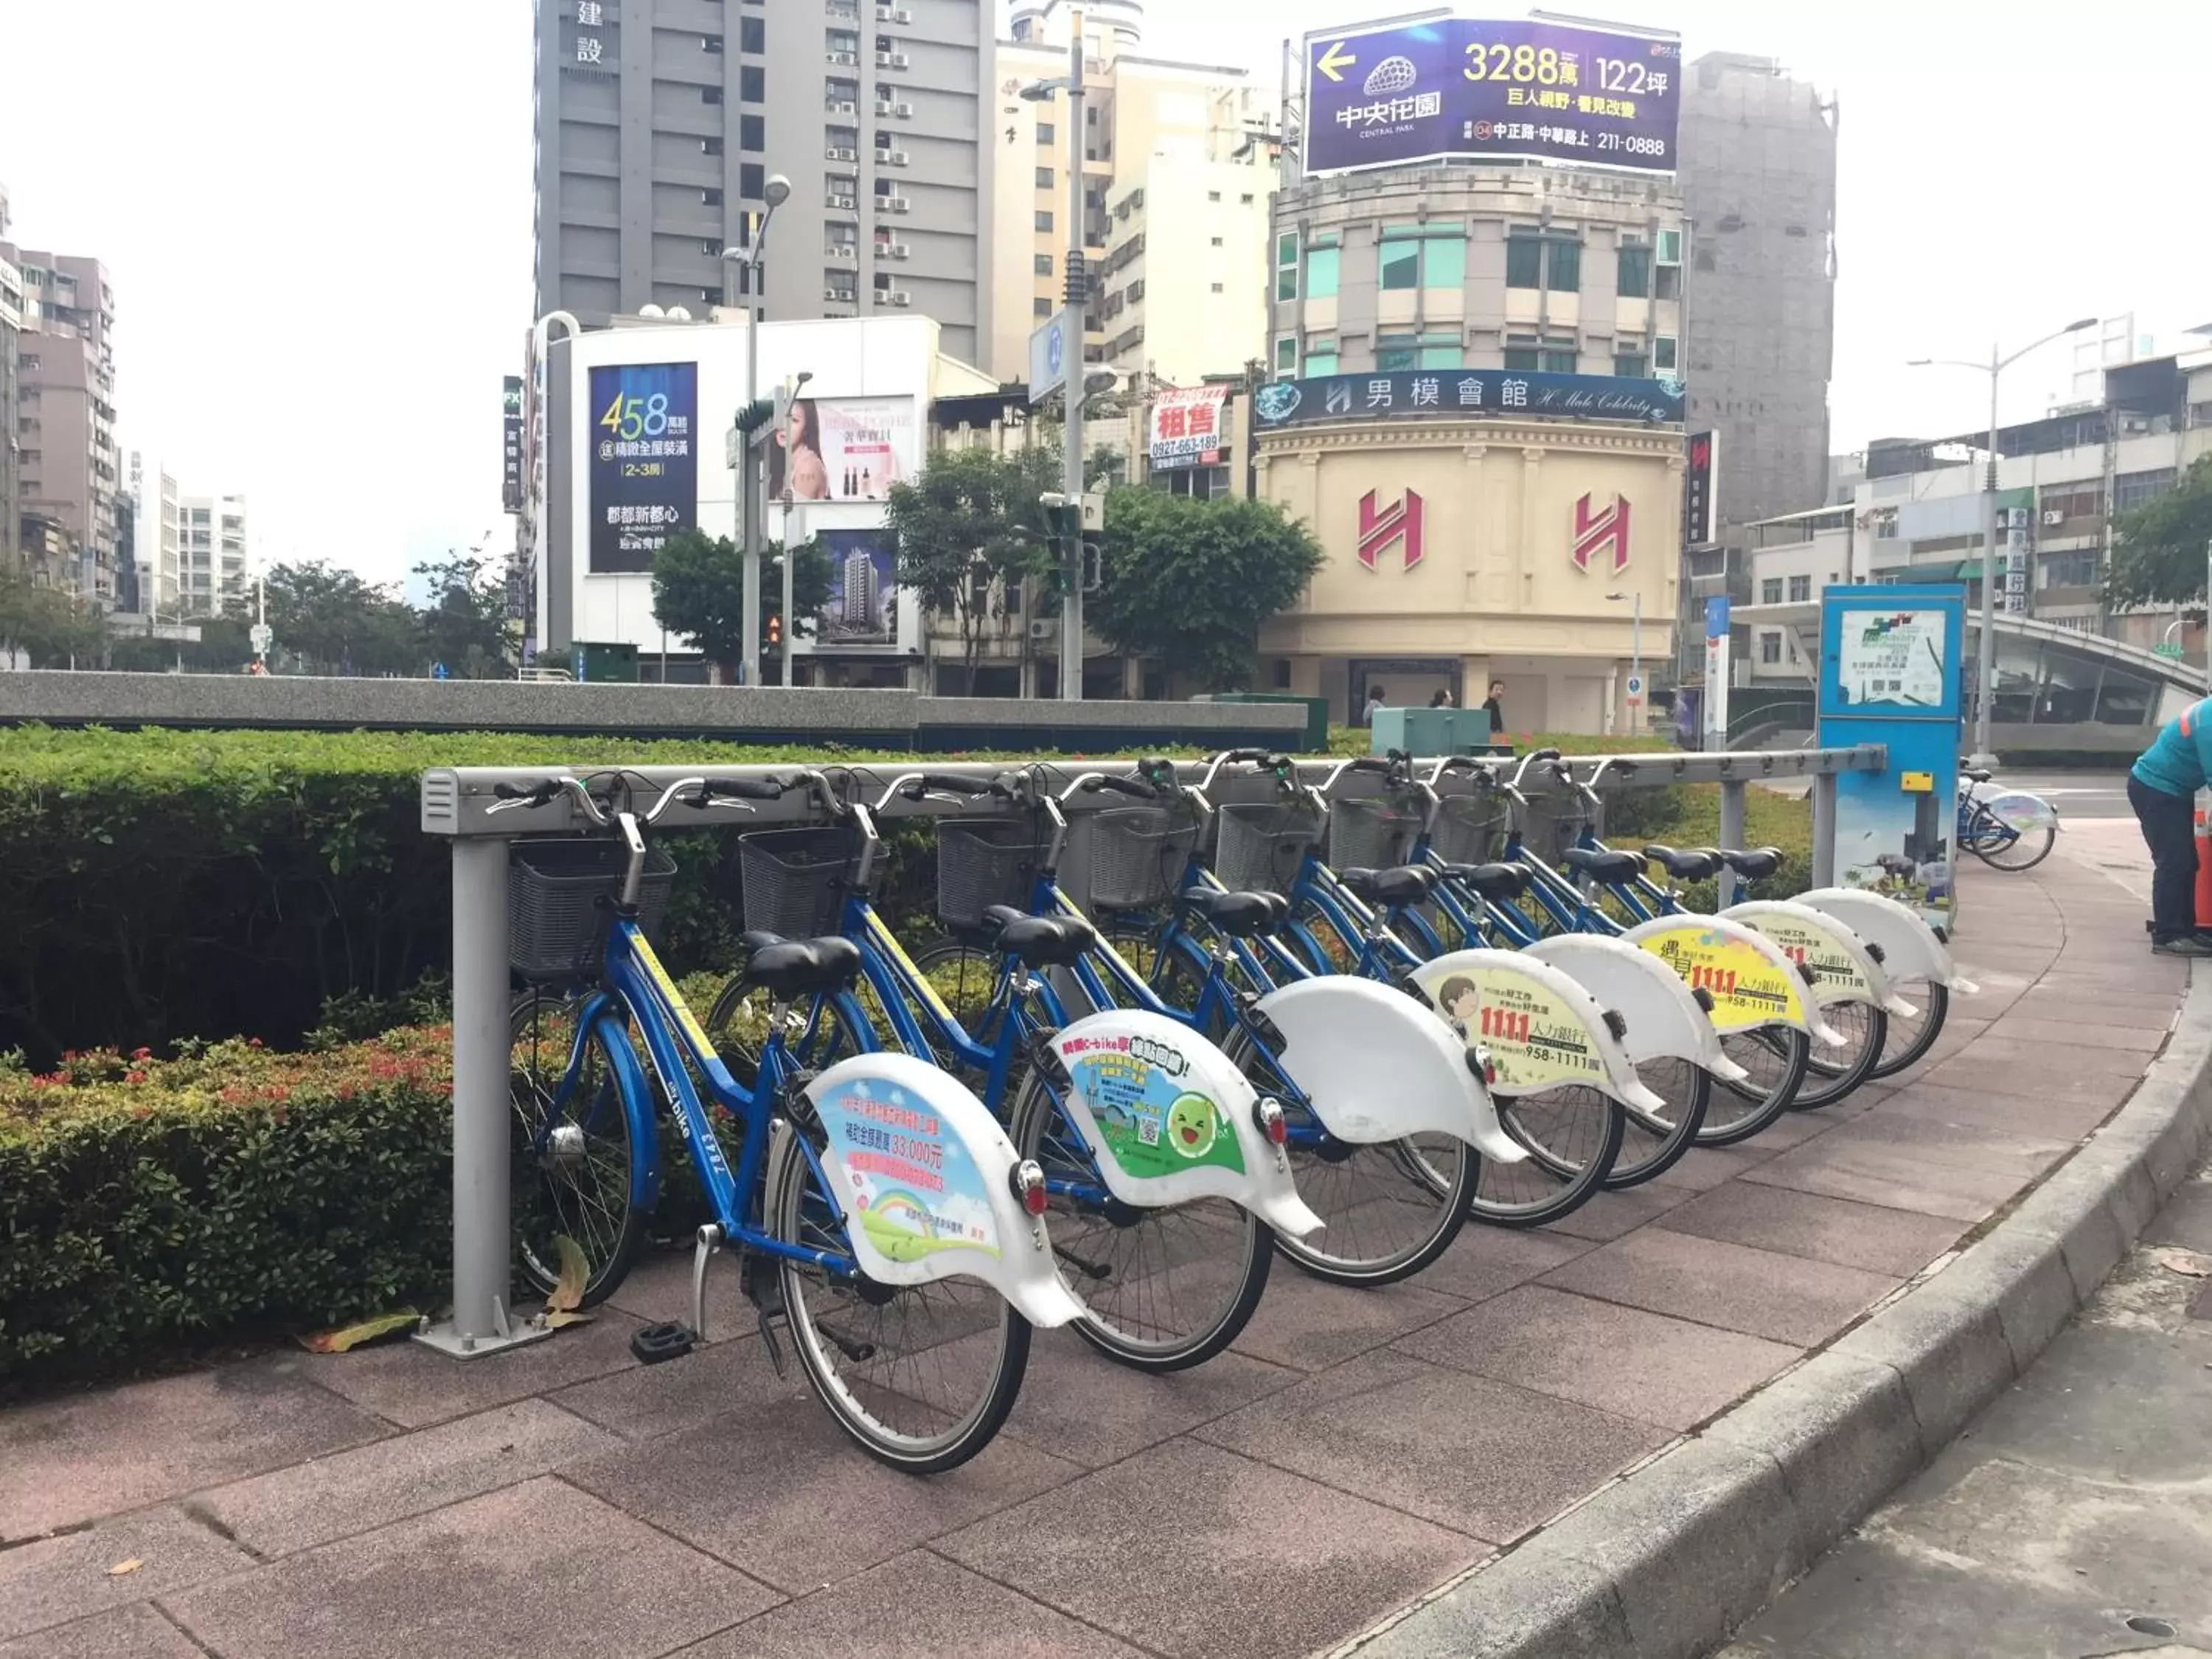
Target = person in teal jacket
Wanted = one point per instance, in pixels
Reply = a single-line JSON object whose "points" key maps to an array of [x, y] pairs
{"points": [[2162, 788]]}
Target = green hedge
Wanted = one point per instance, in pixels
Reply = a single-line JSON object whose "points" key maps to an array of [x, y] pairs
{"points": [[145, 1203], [159, 885]]}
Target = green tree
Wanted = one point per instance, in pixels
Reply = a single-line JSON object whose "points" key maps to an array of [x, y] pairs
{"points": [[47, 624], [1190, 582], [970, 528], [699, 593], [2159, 549], [331, 621], [464, 626]]}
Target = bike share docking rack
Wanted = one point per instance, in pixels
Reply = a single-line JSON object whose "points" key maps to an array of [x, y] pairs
{"points": [[456, 803]]}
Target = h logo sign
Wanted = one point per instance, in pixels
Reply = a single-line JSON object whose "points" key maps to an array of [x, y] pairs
{"points": [[1378, 528], [1595, 532]]}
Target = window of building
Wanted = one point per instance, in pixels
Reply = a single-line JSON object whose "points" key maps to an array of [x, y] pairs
{"points": [[1668, 277], [1543, 262], [1246, 199], [710, 146], [1320, 355], [2076, 503], [1770, 645], [1631, 365], [710, 95], [1410, 258], [752, 133], [1565, 275], [1526, 354], [1286, 265], [2077, 570], [752, 84], [1213, 196], [1394, 352], [1287, 356], [1633, 279], [1214, 242], [1801, 589], [1044, 219], [2132, 489], [1042, 264], [1217, 287], [1664, 348], [710, 197], [1401, 265], [710, 43], [752, 181], [1045, 132], [1044, 178], [1321, 265], [1041, 307], [1524, 263], [1769, 590]]}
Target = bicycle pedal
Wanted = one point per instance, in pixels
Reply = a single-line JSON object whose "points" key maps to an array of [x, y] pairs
{"points": [[653, 1344]]}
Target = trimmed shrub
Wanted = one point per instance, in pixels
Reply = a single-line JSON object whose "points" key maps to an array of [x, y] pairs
{"points": [[147, 1202]]}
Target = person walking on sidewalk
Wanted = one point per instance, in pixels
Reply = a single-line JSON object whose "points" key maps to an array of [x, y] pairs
{"points": [[2162, 788]]}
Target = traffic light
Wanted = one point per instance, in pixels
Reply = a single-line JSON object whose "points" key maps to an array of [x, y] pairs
{"points": [[1093, 565], [755, 416], [776, 628]]}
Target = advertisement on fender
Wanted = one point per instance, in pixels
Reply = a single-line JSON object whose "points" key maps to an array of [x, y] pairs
{"points": [[1534, 1039]]}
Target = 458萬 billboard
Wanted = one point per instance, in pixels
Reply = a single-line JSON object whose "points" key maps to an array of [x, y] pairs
{"points": [[1446, 88]]}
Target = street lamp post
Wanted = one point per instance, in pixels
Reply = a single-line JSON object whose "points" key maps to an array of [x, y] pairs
{"points": [[1635, 645], [1075, 296], [1987, 657], [774, 192]]}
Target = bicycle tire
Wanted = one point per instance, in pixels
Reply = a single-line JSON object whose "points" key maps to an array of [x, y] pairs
{"points": [[1645, 1152], [2002, 853], [815, 1034], [1910, 1040], [841, 1365], [580, 1185], [1428, 1180], [1766, 1102], [1145, 1333], [1529, 1120], [1864, 1029]]}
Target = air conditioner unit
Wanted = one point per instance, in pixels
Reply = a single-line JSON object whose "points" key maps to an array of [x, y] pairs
{"points": [[847, 202], [1042, 628], [894, 203], [833, 293], [892, 250], [883, 60], [844, 106], [842, 251], [884, 107], [2052, 515], [893, 15], [853, 57], [897, 60], [896, 158], [904, 112], [899, 296]]}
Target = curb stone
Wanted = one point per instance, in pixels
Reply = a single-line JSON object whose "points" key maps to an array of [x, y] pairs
{"points": [[1669, 1560]]}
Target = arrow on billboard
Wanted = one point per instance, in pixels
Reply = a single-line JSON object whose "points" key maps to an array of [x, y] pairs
{"points": [[1335, 61]]}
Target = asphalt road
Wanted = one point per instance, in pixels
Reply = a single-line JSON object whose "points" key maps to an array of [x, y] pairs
{"points": [[2075, 794]]}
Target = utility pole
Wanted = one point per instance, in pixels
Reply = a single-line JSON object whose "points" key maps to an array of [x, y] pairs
{"points": [[1076, 291], [746, 450]]}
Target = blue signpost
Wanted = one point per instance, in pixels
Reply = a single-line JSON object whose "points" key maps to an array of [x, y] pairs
{"points": [[1890, 662]]}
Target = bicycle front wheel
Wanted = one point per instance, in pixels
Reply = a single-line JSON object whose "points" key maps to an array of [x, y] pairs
{"points": [[1389, 1208], [572, 1173], [2003, 848], [1832, 1074], [1162, 1289], [1910, 1039], [1653, 1143], [1773, 1056], [922, 1376]]}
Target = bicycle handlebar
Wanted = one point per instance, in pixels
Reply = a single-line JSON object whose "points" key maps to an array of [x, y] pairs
{"points": [[1092, 783]]}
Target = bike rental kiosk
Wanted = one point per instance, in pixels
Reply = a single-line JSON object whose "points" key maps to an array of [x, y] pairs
{"points": [[1891, 661]]}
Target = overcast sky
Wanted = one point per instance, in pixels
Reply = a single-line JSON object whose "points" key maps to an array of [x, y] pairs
{"points": [[317, 218]]}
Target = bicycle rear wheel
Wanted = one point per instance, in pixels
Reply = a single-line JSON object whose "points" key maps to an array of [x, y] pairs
{"points": [[1910, 1039], [2003, 848], [1652, 1144], [922, 1376], [1774, 1057], [1832, 1074], [574, 1167], [1164, 1289], [1573, 1137]]}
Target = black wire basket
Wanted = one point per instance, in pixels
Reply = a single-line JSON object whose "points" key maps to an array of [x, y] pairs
{"points": [[1137, 855], [1259, 848], [981, 862], [1369, 834], [1471, 829], [558, 893], [793, 882]]}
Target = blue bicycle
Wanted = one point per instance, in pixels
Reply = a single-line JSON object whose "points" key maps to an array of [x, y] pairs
{"points": [[916, 1359], [1163, 1288]]}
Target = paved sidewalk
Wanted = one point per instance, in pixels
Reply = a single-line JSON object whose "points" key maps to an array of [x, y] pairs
{"points": [[1352, 1453], [2073, 1518]]}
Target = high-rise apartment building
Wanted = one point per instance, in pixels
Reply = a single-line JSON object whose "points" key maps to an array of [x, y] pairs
{"points": [[158, 530], [70, 469], [11, 467], [1757, 171], [658, 124], [1183, 144], [211, 553]]}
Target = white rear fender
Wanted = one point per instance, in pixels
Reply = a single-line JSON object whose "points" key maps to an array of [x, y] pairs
{"points": [[1540, 1028], [1664, 1015], [1843, 968], [1169, 1118], [1910, 947], [924, 1175], [1377, 1066], [1751, 982]]}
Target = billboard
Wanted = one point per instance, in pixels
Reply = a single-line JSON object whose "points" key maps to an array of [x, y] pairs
{"points": [[1464, 394], [1382, 95], [1699, 470], [644, 468], [1183, 428], [843, 449], [862, 610], [511, 483]]}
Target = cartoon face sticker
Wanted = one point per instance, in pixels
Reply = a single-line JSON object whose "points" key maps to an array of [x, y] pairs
{"points": [[1460, 1001], [1192, 1125]]}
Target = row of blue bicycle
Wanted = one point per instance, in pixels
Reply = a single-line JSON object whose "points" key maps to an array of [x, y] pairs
{"points": [[1174, 1021]]}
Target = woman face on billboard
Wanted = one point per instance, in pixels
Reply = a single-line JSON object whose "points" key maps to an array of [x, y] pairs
{"points": [[808, 478]]}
